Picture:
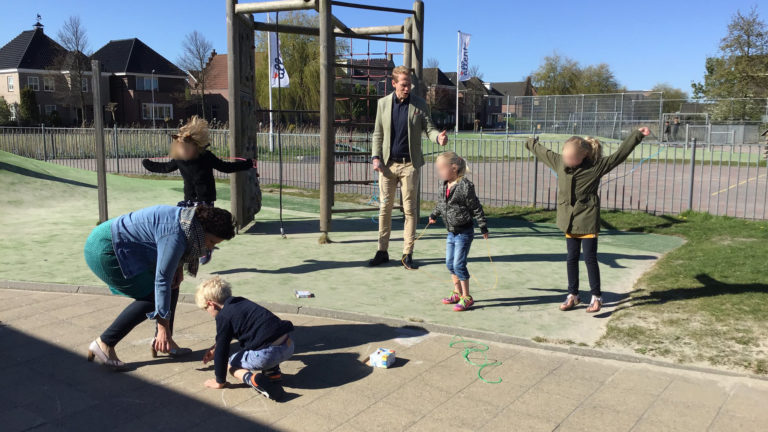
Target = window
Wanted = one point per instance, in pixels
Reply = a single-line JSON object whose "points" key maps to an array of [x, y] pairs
{"points": [[10, 83], [146, 83], [161, 111], [48, 84], [84, 85], [34, 83], [49, 109]]}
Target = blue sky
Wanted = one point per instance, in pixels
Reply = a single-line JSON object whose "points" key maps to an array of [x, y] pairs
{"points": [[660, 41]]}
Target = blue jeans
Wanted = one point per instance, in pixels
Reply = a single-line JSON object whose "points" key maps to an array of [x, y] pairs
{"points": [[456, 251], [263, 359]]}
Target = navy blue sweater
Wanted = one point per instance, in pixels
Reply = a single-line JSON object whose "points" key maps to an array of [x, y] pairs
{"points": [[252, 325]]}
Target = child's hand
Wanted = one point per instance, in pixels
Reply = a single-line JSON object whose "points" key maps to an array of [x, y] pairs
{"points": [[645, 131], [211, 383], [432, 221], [485, 236], [208, 356]]}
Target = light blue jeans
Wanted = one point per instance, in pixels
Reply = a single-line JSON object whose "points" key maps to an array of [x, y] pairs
{"points": [[456, 251], [263, 359]]}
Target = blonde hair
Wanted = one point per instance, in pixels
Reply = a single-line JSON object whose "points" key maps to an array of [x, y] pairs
{"points": [[215, 289], [195, 132], [453, 159], [589, 147], [400, 70]]}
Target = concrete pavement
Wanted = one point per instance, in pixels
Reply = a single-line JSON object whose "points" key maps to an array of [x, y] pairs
{"points": [[48, 385]]}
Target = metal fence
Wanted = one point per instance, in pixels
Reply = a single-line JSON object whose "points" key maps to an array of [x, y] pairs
{"points": [[615, 115], [658, 178]]}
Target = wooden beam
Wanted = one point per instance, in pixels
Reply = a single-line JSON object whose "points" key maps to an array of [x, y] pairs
{"points": [[274, 6]]}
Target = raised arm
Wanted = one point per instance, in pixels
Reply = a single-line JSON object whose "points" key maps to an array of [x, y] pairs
{"points": [[228, 167], [608, 163], [160, 167], [224, 336], [473, 202], [550, 158]]}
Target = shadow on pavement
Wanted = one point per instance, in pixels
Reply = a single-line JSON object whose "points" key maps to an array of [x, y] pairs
{"points": [[48, 388], [30, 173]]}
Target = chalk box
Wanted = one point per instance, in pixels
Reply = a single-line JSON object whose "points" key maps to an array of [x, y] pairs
{"points": [[304, 294], [383, 358]]}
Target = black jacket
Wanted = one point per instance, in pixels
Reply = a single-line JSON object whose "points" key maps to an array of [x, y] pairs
{"points": [[254, 326], [198, 173], [458, 208]]}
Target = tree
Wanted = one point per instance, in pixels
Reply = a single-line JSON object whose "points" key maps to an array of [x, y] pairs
{"points": [[29, 112], [433, 63], [5, 113], [597, 79], [196, 50], [740, 69], [474, 72], [74, 38], [674, 97], [558, 75]]}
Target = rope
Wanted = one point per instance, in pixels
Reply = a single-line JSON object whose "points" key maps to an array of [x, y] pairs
{"points": [[441, 279], [374, 199], [469, 347]]}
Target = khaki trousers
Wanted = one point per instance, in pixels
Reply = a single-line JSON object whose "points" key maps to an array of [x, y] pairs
{"points": [[408, 177]]}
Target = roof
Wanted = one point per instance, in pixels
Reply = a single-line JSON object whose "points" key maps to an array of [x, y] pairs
{"points": [[32, 49], [474, 83], [513, 88], [434, 76], [217, 73], [134, 56]]}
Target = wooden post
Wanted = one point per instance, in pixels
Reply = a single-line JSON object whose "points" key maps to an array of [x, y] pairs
{"points": [[98, 130], [418, 47], [327, 116], [407, 34]]}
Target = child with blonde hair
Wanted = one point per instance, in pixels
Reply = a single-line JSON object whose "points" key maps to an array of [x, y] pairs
{"points": [[264, 338], [457, 204], [579, 169], [190, 155]]}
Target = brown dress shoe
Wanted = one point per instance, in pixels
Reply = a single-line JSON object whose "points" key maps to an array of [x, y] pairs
{"points": [[570, 302]]}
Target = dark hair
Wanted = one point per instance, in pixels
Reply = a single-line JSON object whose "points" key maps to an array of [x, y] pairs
{"points": [[216, 221]]}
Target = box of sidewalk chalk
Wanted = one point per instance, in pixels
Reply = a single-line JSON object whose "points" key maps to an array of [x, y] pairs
{"points": [[304, 294], [383, 358]]}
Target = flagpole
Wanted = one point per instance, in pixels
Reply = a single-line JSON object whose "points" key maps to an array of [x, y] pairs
{"points": [[458, 75], [269, 86]]}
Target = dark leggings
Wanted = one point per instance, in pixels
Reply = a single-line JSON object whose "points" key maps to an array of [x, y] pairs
{"points": [[134, 315], [589, 246]]}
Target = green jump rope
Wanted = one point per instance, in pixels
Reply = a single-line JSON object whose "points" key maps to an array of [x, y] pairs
{"points": [[469, 347]]}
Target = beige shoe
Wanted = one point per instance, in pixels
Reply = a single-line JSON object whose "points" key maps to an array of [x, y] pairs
{"points": [[570, 302], [95, 352]]}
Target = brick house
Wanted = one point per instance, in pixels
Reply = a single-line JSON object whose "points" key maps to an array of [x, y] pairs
{"points": [[34, 60], [479, 102], [440, 96], [509, 90], [216, 90], [148, 89]]}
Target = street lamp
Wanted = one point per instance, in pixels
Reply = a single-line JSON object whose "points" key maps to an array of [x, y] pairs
{"points": [[152, 86]]}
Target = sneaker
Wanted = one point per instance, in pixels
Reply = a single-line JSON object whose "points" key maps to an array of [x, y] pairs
{"points": [[595, 304], [274, 374], [381, 257], [453, 299], [207, 258], [463, 304], [570, 302]]}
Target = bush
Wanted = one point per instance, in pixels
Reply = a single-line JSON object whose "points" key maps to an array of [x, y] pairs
{"points": [[29, 112], [5, 113]]}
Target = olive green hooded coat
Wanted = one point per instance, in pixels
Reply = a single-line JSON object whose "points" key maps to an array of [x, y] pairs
{"points": [[578, 204]]}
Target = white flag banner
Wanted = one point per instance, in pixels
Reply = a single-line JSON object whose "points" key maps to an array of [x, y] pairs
{"points": [[464, 56], [278, 76]]}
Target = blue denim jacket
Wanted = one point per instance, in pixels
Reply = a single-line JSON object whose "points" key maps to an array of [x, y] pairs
{"points": [[147, 239]]}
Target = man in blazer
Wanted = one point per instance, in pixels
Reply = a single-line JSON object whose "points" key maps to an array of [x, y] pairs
{"points": [[401, 117]]}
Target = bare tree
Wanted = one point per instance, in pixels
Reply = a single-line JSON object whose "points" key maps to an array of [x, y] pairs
{"points": [[474, 71], [433, 63], [74, 38], [194, 59]]}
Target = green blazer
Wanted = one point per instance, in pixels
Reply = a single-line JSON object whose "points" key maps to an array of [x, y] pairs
{"points": [[578, 204], [419, 120]]}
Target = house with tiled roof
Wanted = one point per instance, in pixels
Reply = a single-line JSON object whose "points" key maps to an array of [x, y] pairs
{"points": [[511, 90], [216, 89], [479, 102], [34, 60], [440, 94], [147, 88]]}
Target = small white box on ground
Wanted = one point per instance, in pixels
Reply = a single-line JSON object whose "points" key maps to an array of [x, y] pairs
{"points": [[383, 358], [304, 294]]}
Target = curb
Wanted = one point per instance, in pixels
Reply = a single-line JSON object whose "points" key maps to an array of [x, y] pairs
{"points": [[395, 322]]}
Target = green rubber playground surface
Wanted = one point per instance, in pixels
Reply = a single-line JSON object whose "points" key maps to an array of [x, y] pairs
{"points": [[48, 211]]}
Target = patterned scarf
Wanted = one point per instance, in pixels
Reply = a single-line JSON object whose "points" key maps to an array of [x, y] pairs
{"points": [[195, 235]]}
